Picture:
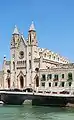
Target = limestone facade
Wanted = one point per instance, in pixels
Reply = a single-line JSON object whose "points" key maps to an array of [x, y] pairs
{"points": [[58, 78], [23, 69]]}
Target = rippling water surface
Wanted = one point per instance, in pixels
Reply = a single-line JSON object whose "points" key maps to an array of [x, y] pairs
{"points": [[28, 112]]}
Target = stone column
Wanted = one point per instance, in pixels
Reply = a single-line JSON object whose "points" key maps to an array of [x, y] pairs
{"points": [[27, 68]]}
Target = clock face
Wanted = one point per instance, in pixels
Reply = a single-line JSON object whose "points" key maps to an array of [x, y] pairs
{"points": [[21, 54]]}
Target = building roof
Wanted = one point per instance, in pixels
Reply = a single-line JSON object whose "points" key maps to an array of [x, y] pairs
{"points": [[32, 27], [16, 31]]}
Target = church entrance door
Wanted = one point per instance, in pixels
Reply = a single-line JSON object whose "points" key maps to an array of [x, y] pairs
{"points": [[37, 81], [21, 81], [8, 80]]}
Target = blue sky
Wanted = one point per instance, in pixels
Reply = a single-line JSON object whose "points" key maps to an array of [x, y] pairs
{"points": [[54, 22]]}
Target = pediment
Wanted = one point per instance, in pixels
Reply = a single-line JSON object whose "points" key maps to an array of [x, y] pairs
{"points": [[20, 73], [22, 43]]}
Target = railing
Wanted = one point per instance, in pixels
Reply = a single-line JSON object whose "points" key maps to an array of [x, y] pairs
{"points": [[43, 79], [69, 79], [55, 79]]}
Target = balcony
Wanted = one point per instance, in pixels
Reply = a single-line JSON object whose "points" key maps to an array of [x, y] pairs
{"points": [[55, 79], [43, 79]]}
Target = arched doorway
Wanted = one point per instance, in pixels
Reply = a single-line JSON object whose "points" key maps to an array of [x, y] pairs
{"points": [[37, 81], [21, 82], [8, 80]]}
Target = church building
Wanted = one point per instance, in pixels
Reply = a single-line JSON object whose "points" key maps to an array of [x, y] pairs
{"points": [[27, 58]]}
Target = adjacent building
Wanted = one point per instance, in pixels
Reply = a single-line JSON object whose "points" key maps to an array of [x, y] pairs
{"points": [[58, 78]]}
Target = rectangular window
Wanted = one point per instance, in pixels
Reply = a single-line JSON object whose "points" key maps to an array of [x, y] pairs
{"points": [[43, 84], [62, 75], [49, 84], [70, 83], [49, 76], [29, 64], [43, 77], [56, 83], [55, 77], [62, 84], [70, 76]]}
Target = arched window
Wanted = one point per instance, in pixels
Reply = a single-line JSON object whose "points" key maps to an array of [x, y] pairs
{"points": [[49, 56], [54, 57], [58, 58], [30, 64], [13, 65], [45, 55]]}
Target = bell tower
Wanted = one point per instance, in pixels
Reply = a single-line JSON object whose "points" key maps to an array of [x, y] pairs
{"points": [[32, 38], [33, 50], [13, 48], [15, 37]]}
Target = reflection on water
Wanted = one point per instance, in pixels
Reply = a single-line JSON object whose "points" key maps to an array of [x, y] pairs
{"points": [[28, 112]]}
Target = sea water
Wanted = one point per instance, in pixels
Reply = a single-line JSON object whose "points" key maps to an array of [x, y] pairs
{"points": [[29, 112]]}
